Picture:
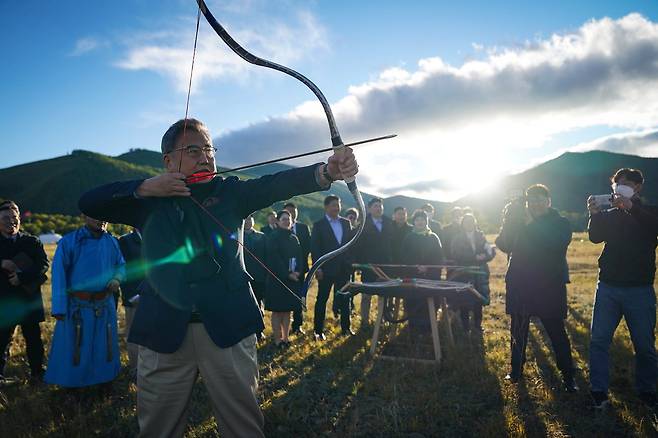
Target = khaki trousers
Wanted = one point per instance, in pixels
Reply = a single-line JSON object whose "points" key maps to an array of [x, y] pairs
{"points": [[165, 381], [132, 348]]}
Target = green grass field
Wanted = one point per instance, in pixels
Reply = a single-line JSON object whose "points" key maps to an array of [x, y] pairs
{"points": [[336, 388]]}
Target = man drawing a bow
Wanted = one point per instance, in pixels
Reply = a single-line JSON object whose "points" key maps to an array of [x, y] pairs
{"points": [[198, 314]]}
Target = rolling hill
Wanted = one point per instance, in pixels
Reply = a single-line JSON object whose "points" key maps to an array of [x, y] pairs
{"points": [[54, 185], [571, 177], [146, 157]]}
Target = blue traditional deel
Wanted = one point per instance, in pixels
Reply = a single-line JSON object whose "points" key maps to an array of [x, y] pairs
{"points": [[85, 347]]}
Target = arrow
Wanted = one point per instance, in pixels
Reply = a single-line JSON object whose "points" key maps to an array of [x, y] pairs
{"points": [[199, 176]]}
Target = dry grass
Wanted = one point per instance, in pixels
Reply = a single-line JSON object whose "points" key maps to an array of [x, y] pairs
{"points": [[336, 389]]}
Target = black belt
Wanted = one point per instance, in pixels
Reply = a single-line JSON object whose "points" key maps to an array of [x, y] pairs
{"points": [[195, 317]]}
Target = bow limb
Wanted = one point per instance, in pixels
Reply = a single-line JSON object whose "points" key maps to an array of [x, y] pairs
{"points": [[336, 141]]}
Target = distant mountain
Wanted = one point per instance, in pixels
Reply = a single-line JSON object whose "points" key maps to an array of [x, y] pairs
{"points": [[310, 206], [147, 157], [142, 157], [571, 177], [413, 204], [55, 185]]}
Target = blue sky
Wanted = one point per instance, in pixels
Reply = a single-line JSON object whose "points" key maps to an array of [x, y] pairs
{"points": [[490, 86]]}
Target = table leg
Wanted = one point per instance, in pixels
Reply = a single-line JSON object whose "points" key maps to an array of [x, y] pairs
{"points": [[435, 330], [447, 322], [378, 324]]}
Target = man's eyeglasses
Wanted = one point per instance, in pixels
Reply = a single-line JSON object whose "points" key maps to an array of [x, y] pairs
{"points": [[194, 151]]}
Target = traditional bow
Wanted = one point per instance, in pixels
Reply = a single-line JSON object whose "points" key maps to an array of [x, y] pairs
{"points": [[336, 141]]}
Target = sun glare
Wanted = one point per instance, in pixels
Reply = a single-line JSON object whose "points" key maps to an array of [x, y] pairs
{"points": [[448, 165]]}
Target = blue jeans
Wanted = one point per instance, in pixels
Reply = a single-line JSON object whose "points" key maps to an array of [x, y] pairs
{"points": [[638, 307]]}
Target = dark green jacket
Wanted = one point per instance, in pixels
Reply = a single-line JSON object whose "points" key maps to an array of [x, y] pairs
{"points": [[195, 260]]}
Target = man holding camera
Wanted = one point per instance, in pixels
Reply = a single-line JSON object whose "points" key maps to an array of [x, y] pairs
{"points": [[627, 268], [536, 239], [23, 267]]}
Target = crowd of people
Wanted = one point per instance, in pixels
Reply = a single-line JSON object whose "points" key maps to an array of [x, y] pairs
{"points": [[195, 277]]}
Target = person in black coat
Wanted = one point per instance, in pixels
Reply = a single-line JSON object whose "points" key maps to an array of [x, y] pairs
{"points": [[451, 230], [303, 234], [471, 249], [400, 230], [283, 258], [131, 249], [421, 247], [434, 225], [375, 246], [536, 239], [329, 233], [352, 215], [254, 242], [271, 223], [627, 271], [198, 313], [24, 265]]}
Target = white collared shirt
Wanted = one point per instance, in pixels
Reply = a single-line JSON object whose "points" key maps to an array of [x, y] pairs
{"points": [[336, 227]]}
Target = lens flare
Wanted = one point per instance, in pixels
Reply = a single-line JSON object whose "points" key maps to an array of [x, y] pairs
{"points": [[218, 242], [13, 311]]}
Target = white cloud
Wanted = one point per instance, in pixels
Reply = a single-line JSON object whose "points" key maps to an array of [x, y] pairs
{"points": [[88, 44], [170, 53], [643, 143], [474, 116]]}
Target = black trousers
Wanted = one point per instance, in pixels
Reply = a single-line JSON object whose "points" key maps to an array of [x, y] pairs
{"points": [[34, 345], [342, 302], [298, 313], [556, 332]]}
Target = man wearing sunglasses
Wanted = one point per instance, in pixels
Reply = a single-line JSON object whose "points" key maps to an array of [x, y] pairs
{"points": [[197, 314]]}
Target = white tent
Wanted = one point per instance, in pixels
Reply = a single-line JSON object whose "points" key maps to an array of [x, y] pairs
{"points": [[51, 237]]}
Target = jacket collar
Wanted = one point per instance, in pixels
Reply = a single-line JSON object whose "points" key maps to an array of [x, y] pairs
{"points": [[83, 233]]}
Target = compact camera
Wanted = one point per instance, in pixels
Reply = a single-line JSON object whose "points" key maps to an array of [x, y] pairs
{"points": [[602, 201]]}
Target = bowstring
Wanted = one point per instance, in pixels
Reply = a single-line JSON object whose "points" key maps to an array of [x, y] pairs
{"points": [[189, 85], [204, 209], [227, 231]]}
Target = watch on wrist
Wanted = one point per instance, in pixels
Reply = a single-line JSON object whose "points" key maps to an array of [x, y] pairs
{"points": [[325, 173]]}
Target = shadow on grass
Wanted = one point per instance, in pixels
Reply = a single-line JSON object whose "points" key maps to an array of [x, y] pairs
{"points": [[627, 406], [547, 396], [573, 412], [344, 392], [47, 411], [310, 395]]}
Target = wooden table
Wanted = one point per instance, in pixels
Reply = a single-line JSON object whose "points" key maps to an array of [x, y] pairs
{"points": [[432, 290]]}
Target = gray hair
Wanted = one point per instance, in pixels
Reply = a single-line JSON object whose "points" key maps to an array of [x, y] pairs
{"points": [[175, 131]]}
